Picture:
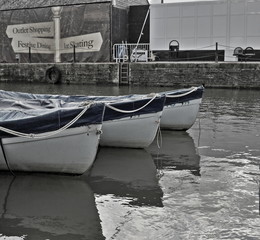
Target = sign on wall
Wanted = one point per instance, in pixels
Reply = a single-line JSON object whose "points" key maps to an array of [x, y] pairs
{"points": [[31, 36], [84, 43], [34, 29], [43, 29], [36, 45]]}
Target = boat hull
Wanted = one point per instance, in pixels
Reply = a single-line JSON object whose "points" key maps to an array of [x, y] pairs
{"points": [[72, 151], [137, 131], [180, 116]]}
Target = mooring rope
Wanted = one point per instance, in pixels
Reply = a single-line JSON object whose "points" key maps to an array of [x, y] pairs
{"points": [[193, 89], [7, 196], [131, 111], [45, 135], [159, 138], [159, 142]]}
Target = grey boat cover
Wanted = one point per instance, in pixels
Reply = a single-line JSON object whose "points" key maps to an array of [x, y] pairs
{"points": [[43, 115], [185, 95], [126, 105]]}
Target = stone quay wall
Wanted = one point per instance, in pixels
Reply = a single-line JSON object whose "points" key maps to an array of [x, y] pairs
{"points": [[175, 74], [71, 73], [215, 75]]}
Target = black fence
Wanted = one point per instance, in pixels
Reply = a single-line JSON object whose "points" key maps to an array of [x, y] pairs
{"points": [[189, 55]]}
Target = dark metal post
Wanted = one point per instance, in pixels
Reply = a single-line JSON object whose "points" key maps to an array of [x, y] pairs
{"points": [[30, 55], [74, 53], [216, 53], [17, 57]]}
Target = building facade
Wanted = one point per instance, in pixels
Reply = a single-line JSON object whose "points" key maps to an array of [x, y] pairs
{"points": [[88, 29], [200, 25]]}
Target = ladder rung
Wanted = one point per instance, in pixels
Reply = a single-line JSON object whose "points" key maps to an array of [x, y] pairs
{"points": [[124, 72]]}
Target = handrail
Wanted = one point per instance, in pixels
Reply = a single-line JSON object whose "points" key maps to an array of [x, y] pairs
{"points": [[123, 52]]}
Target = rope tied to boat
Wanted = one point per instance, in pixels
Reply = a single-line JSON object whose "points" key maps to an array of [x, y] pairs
{"points": [[193, 89], [158, 160], [132, 111], [49, 134]]}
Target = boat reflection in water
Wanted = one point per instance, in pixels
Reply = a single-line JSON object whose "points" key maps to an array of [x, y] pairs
{"points": [[47, 207], [177, 152], [127, 173]]}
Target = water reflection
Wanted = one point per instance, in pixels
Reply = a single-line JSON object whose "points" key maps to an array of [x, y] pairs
{"points": [[209, 186], [236, 103], [79, 89], [129, 173], [229, 122], [48, 207], [60, 89], [177, 152]]}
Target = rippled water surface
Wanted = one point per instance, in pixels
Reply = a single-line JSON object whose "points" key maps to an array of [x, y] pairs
{"points": [[200, 184]]}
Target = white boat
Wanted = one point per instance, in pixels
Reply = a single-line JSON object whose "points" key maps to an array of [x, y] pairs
{"points": [[39, 139], [181, 108], [129, 121], [132, 123]]}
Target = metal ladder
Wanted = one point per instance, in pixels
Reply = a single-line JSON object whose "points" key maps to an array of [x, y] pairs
{"points": [[124, 73]]}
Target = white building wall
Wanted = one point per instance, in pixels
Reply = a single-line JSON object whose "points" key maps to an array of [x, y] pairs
{"points": [[199, 25]]}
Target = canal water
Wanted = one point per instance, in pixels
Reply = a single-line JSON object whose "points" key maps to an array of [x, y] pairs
{"points": [[199, 184]]}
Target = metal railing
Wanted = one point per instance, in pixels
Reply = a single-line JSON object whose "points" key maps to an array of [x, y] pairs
{"points": [[131, 52]]}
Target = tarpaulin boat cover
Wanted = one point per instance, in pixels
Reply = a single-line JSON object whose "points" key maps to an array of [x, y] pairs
{"points": [[125, 103], [194, 94], [32, 117]]}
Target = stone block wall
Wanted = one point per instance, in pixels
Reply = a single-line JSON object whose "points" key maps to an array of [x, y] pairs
{"points": [[71, 73], [218, 75], [166, 74]]}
